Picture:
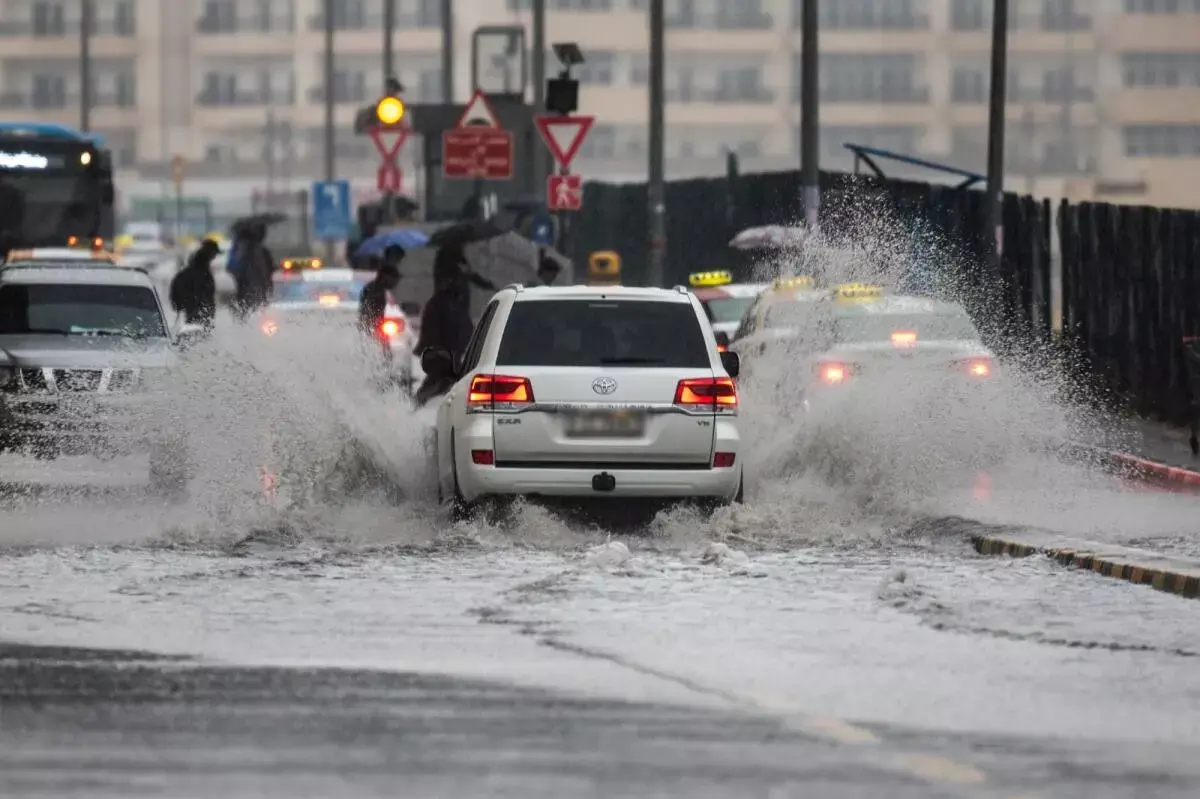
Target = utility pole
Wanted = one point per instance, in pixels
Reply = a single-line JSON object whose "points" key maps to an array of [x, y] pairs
{"points": [[389, 32], [330, 133], [994, 200], [810, 120], [540, 164], [85, 65], [657, 193], [447, 51]]}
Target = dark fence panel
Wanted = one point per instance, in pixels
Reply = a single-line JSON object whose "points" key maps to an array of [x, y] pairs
{"points": [[1131, 294]]}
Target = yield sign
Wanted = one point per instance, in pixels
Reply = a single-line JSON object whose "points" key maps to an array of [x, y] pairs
{"points": [[388, 141], [564, 136]]}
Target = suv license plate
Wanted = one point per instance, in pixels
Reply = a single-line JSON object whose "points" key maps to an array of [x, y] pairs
{"points": [[605, 424]]}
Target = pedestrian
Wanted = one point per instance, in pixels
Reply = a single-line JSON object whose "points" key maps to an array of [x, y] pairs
{"points": [[445, 324], [548, 267], [194, 290], [254, 271], [373, 302]]}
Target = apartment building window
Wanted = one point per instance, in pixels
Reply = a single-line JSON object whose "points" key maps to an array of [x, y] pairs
{"points": [[969, 85], [1061, 85], [968, 15], [48, 91], [1161, 70], [116, 18], [117, 89], [247, 88], [871, 77], [1162, 141], [1063, 15], [900, 139], [1162, 6], [429, 14], [563, 5], [741, 85], [598, 68], [349, 86], [600, 144], [49, 18], [123, 146], [350, 15], [866, 14], [247, 16]]}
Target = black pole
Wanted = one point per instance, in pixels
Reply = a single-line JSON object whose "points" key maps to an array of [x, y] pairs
{"points": [[657, 193], [389, 32], [85, 66], [447, 51], [539, 165], [810, 121], [994, 200]]}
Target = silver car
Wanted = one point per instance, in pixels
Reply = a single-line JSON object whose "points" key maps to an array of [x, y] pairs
{"points": [[82, 348]]}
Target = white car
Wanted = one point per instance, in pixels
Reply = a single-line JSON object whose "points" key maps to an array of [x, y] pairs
{"points": [[589, 392]]}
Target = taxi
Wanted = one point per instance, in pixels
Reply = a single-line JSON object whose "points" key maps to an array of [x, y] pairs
{"points": [[297, 265], [76, 249], [724, 302], [776, 314]]}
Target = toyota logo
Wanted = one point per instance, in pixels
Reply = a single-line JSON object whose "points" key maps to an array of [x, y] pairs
{"points": [[604, 385]]}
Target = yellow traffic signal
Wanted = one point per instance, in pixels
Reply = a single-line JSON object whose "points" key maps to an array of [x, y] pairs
{"points": [[389, 111]]}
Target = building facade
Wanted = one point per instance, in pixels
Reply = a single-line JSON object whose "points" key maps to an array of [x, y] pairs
{"points": [[1104, 95]]}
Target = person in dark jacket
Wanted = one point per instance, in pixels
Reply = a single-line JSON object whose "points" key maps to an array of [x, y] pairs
{"points": [[445, 324], [548, 269], [194, 290], [372, 304], [255, 270]]}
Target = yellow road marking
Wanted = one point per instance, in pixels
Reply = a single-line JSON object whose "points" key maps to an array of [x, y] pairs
{"points": [[940, 769], [839, 731]]}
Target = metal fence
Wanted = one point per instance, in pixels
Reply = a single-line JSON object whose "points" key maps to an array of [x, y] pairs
{"points": [[1130, 285]]}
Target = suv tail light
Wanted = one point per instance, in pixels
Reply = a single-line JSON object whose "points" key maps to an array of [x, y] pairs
{"points": [[391, 328], [499, 393], [979, 368], [834, 373], [707, 392]]}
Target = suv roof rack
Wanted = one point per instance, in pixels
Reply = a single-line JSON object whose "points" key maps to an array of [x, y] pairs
{"points": [[680, 289], [517, 287]]}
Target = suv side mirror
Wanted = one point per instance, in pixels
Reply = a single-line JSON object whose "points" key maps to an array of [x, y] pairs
{"points": [[438, 363], [732, 363]]}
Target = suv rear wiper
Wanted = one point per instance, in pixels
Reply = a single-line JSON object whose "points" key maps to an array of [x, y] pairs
{"points": [[619, 361]]}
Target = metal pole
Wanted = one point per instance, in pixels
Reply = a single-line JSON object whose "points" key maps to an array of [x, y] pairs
{"points": [[270, 154], [810, 120], [85, 66], [995, 169], [539, 165], [389, 31], [657, 191], [447, 51], [330, 133]]}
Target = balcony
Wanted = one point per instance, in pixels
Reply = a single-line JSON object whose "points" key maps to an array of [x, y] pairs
{"points": [[374, 22], [343, 95], [209, 98], [118, 26], [225, 25], [48, 101]]}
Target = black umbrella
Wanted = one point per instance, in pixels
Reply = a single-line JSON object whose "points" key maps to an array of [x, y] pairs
{"points": [[470, 232], [245, 223]]}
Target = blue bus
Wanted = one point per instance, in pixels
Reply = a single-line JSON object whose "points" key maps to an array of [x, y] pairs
{"points": [[55, 182]]}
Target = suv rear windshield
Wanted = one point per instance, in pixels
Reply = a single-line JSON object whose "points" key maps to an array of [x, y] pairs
{"points": [[867, 328], [80, 309], [603, 333]]}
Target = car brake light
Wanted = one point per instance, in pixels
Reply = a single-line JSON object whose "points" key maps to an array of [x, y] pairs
{"points": [[723, 460], [390, 328], [833, 372], [904, 338], [483, 457], [722, 348], [979, 367], [714, 392], [270, 328], [499, 392]]}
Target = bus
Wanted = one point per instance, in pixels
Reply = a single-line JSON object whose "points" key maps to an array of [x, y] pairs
{"points": [[55, 183]]}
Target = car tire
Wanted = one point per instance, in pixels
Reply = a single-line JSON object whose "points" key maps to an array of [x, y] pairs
{"points": [[460, 509]]}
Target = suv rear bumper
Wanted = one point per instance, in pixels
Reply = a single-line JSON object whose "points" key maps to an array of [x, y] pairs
{"points": [[478, 481]]}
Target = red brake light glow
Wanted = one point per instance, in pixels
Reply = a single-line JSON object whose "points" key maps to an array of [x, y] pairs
{"points": [[390, 328], [722, 348], [270, 328], [979, 367], [714, 392], [499, 392], [833, 373], [483, 457], [904, 338]]}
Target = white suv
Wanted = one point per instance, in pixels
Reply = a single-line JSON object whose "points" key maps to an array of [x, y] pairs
{"points": [[589, 392]]}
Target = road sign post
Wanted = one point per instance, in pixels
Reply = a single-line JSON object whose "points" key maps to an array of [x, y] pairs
{"points": [[477, 148], [564, 135], [331, 210]]}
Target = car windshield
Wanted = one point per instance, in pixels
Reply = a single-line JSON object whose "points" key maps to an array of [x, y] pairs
{"points": [[870, 327], [80, 310], [603, 333], [727, 309], [330, 292]]}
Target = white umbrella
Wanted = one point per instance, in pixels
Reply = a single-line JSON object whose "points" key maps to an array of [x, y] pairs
{"points": [[769, 236]]}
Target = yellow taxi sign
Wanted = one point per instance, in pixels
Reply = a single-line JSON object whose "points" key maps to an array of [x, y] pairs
{"points": [[290, 264], [797, 282], [389, 110], [604, 268], [857, 292], [705, 279]]}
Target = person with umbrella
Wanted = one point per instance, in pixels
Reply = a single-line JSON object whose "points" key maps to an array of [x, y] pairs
{"points": [[193, 290], [372, 303], [446, 319], [254, 270]]}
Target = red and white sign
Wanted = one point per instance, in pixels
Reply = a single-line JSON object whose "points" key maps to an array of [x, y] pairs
{"points": [[389, 142], [564, 136], [564, 192], [477, 147]]}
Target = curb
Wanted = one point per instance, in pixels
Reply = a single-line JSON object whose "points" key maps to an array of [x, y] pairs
{"points": [[1133, 466], [1116, 562]]}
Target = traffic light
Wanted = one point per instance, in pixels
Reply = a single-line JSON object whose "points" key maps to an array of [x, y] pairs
{"points": [[389, 111]]}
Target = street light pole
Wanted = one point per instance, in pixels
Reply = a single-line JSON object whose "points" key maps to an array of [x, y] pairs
{"points": [[85, 65], [447, 51], [330, 132], [994, 200], [539, 166], [389, 31], [810, 126], [656, 141]]}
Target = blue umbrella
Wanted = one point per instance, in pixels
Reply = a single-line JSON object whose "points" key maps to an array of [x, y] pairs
{"points": [[405, 238]]}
